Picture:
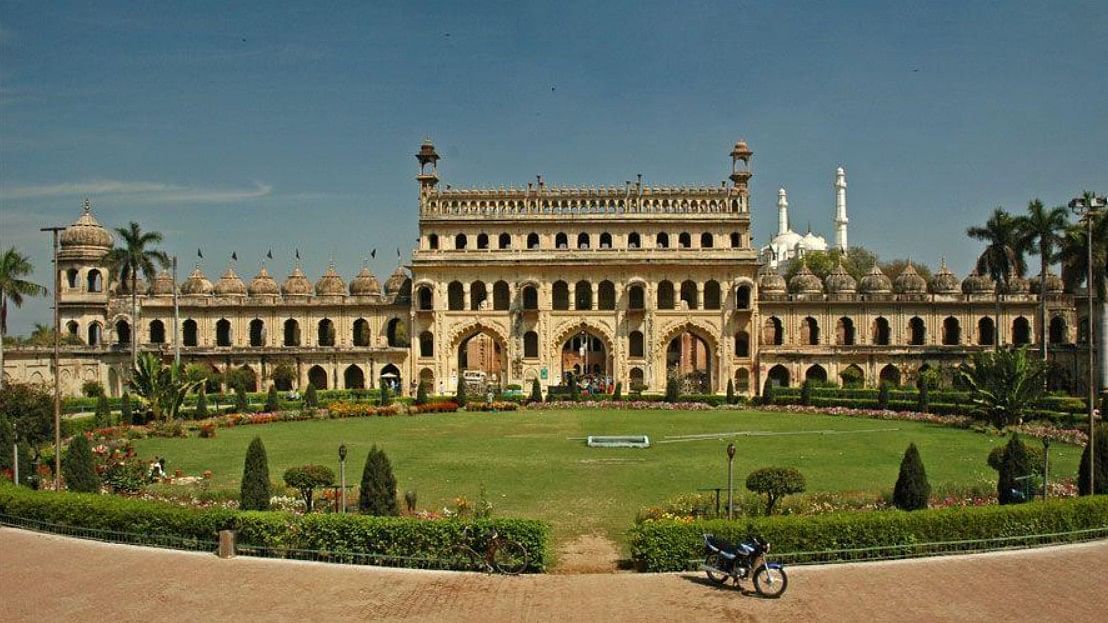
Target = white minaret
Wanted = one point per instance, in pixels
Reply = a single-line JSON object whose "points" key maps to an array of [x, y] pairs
{"points": [[782, 212], [840, 209]]}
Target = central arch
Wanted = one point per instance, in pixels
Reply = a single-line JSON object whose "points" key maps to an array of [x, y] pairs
{"points": [[690, 352], [481, 357]]}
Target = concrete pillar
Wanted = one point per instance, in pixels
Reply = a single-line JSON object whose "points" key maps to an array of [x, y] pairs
{"points": [[226, 544]]}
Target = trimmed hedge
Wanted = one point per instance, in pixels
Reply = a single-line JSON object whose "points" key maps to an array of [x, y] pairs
{"points": [[274, 532], [670, 545]]}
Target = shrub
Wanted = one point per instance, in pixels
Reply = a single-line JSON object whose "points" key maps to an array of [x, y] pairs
{"points": [[672, 390], [410, 499], [92, 389], [384, 399], [272, 400], [421, 393], [306, 478], [310, 399], [283, 374], [618, 393], [806, 393], [883, 397], [923, 401], [202, 405], [1016, 465], [536, 391], [775, 483], [1005, 384], [730, 391], [460, 394], [1034, 451], [240, 399], [1099, 442], [103, 415], [767, 393], [78, 468], [852, 378], [377, 495], [254, 494], [912, 491]]}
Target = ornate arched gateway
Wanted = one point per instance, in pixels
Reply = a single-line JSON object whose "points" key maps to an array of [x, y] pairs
{"points": [[584, 350], [690, 357], [481, 356]]}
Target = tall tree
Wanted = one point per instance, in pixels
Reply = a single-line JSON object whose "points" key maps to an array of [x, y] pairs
{"points": [[1003, 255], [14, 266], [1041, 234], [134, 255]]}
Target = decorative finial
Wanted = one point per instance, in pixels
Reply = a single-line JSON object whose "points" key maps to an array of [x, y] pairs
{"points": [[88, 206]]}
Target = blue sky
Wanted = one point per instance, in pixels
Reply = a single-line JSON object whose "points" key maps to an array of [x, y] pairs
{"points": [[249, 126]]}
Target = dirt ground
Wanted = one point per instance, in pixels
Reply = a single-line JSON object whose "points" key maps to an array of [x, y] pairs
{"points": [[45, 578]]}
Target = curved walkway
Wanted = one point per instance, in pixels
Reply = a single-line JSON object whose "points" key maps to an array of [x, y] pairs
{"points": [[51, 578]]}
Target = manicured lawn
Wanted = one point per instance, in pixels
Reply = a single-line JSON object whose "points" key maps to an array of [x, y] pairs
{"points": [[530, 468]]}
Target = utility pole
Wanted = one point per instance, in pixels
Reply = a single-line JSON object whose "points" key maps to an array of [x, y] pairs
{"points": [[55, 365], [176, 319], [1088, 206]]}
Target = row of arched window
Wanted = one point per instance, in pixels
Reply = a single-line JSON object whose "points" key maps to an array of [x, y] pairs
{"points": [[585, 240], [582, 296], [395, 332], [94, 280], [773, 332]]}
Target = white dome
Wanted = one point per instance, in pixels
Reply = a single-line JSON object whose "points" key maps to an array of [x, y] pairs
{"points": [[812, 242], [784, 245]]}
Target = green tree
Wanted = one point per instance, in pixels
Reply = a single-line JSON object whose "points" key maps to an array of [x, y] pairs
{"points": [[883, 396], [1100, 478], [272, 400], [29, 410], [1005, 385], [135, 254], [806, 393], [1003, 255], [241, 405], [616, 395], [1016, 465], [1041, 232], [162, 387], [421, 393], [536, 391], [283, 375], [14, 266], [730, 391], [923, 399], [254, 493], [102, 417], [377, 495], [775, 483], [384, 399], [767, 392], [912, 491], [201, 404], [673, 390], [126, 414], [78, 468], [857, 261], [307, 478], [893, 268], [92, 389], [460, 395], [310, 399]]}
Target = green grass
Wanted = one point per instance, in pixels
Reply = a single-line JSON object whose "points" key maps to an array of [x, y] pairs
{"points": [[530, 469]]}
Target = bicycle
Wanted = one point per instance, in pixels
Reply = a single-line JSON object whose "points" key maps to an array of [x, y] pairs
{"points": [[500, 555]]}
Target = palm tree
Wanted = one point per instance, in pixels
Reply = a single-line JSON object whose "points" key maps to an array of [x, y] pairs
{"points": [[1041, 232], [1004, 255], [1075, 262], [13, 267], [132, 256]]}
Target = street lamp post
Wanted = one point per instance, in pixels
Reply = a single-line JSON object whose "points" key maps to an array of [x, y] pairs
{"points": [[730, 481], [1088, 206], [1046, 467], [57, 379], [176, 318], [342, 478]]}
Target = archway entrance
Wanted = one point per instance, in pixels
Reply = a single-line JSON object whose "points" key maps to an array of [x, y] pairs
{"points": [[353, 377], [778, 376], [482, 361], [317, 376], [390, 377], [585, 356], [689, 360]]}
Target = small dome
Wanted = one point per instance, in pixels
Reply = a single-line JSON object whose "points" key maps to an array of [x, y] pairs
{"points": [[875, 282], [86, 232], [230, 284], [978, 284], [125, 286], [364, 284], [1017, 285], [909, 282], [330, 284], [263, 284], [163, 284], [944, 281], [196, 283], [396, 282], [297, 284], [840, 281], [770, 282], [805, 282], [1054, 284]]}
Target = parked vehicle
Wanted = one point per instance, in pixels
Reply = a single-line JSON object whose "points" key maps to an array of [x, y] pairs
{"points": [[724, 561]]}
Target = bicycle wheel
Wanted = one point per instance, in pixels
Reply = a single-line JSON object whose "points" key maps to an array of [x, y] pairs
{"points": [[509, 557], [464, 558]]}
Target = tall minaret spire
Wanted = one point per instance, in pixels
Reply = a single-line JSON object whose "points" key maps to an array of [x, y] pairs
{"points": [[840, 209], [782, 212]]}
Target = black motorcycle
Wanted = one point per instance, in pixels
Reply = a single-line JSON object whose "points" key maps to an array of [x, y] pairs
{"points": [[725, 561]]}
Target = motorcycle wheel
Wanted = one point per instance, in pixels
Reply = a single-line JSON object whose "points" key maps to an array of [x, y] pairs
{"points": [[769, 582], [713, 561]]}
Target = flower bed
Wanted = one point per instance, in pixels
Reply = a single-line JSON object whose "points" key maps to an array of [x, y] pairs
{"points": [[633, 405], [340, 409], [434, 407], [492, 406]]}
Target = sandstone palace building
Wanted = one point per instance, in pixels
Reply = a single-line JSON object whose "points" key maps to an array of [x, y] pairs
{"points": [[631, 283]]}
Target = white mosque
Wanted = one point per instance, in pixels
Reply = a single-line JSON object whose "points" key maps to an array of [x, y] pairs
{"points": [[787, 245]]}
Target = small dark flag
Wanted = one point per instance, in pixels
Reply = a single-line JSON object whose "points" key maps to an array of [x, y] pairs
{"points": [[397, 251], [234, 256], [199, 254], [269, 254], [298, 254], [373, 254]]}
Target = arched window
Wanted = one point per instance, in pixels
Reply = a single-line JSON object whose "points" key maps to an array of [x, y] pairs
{"points": [[361, 332], [663, 240], [816, 374], [706, 240], [257, 332], [532, 240], [561, 241], [1021, 331], [478, 294], [460, 241], [1058, 330], [605, 240], [986, 331], [880, 332], [504, 241], [426, 298], [778, 376], [530, 298], [397, 333], [634, 241], [636, 297], [665, 295], [317, 376], [426, 344], [809, 331], [325, 333], [684, 240], [742, 380], [917, 331], [742, 344], [188, 330], [531, 345], [157, 332], [94, 332], [637, 379], [292, 333], [455, 296], [606, 295], [582, 240], [582, 295], [773, 332], [711, 295], [689, 294], [122, 332], [353, 377], [742, 297], [72, 328], [433, 241], [635, 344], [71, 278], [223, 332], [482, 241], [560, 295], [501, 296], [844, 332], [889, 375], [736, 240], [95, 281], [952, 331]]}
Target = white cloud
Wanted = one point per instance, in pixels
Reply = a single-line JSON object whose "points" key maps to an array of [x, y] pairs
{"points": [[144, 191]]}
